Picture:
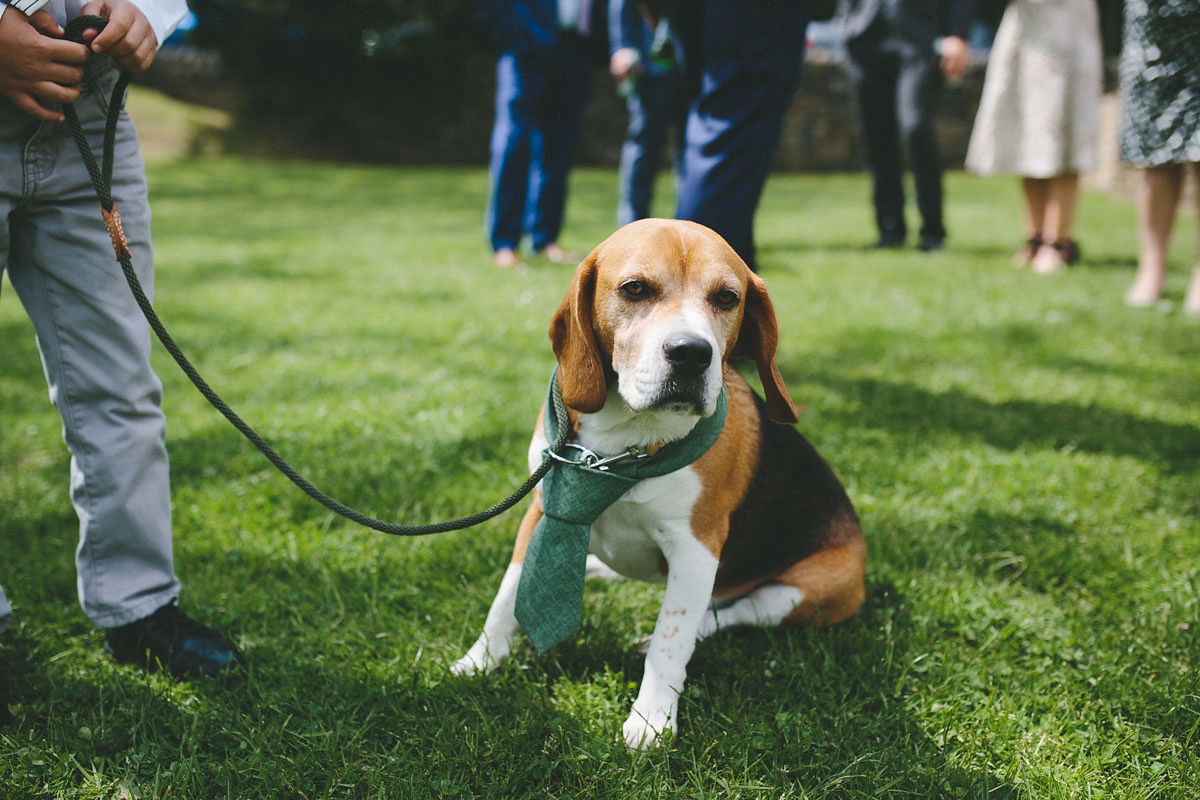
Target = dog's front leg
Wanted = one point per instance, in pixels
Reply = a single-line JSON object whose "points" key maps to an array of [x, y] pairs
{"points": [[691, 570], [501, 628]]}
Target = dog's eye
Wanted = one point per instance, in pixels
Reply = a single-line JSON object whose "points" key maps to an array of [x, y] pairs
{"points": [[635, 290], [725, 299]]}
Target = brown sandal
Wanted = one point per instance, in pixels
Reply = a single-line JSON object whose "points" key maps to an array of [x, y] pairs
{"points": [[1068, 249], [1023, 256]]}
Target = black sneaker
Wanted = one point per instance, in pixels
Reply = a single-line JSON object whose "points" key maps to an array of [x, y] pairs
{"points": [[931, 241], [889, 240], [169, 639]]}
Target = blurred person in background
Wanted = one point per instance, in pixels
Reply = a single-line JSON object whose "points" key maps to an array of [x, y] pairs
{"points": [[647, 64], [899, 52], [543, 78], [1160, 130], [1038, 118], [743, 61]]}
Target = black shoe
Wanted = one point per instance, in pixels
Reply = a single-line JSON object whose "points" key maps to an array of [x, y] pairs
{"points": [[931, 241], [1068, 249], [172, 640], [889, 240]]}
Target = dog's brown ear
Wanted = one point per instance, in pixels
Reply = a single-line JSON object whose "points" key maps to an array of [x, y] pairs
{"points": [[581, 374], [757, 340]]}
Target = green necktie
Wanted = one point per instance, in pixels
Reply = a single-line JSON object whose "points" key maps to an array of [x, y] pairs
{"points": [[576, 490]]}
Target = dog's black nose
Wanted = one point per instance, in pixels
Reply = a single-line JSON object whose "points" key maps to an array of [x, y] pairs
{"points": [[689, 356]]}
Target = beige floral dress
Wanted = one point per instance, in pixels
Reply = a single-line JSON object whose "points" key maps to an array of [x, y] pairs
{"points": [[1039, 111]]}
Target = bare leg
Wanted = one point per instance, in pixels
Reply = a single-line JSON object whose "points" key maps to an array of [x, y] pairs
{"points": [[1191, 301], [1061, 197], [1157, 203], [1034, 191], [1037, 191], [1065, 193]]}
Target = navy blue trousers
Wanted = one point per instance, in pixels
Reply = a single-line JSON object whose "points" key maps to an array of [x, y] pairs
{"points": [[540, 101], [896, 87], [747, 61]]}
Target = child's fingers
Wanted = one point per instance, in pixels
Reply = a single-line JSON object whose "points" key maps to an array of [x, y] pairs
{"points": [[128, 38], [44, 23]]}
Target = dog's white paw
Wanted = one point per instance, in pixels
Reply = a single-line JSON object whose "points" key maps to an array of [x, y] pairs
{"points": [[648, 733], [598, 570], [466, 666], [479, 660], [709, 625]]}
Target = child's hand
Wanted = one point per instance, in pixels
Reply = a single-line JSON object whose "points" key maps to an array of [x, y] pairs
{"points": [[36, 66], [45, 23], [128, 37]]}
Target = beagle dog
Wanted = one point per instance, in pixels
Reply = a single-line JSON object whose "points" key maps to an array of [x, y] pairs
{"points": [[758, 530]]}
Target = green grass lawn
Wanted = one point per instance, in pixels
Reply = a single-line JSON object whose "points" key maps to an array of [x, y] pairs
{"points": [[1024, 452]]}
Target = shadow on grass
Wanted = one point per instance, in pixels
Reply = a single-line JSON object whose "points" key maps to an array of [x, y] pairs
{"points": [[1030, 548], [1120, 263], [1016, 424], [788, 710], [301, 728], [808, 711], [326, 701]]}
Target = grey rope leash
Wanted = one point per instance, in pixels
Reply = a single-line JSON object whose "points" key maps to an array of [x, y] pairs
{"points": [[101, 175]]}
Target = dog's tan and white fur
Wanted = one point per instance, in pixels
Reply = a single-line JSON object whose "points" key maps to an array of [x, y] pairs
{"points": [[758, 530]]}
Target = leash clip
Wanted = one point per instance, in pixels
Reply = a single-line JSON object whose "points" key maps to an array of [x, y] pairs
{"points": [[595, 461], [112, 221]]}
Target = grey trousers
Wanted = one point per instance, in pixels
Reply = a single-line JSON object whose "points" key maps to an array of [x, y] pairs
{"points": [[95, 349]]}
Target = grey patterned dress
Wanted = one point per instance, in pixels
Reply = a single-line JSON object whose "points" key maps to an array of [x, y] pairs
{"points": [[1160, 82]]}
